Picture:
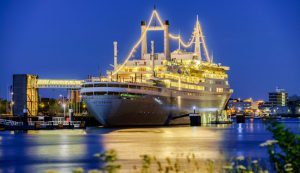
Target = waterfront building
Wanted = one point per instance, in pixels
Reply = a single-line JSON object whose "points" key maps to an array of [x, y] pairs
{"points": [[294, 105], [278, 98], [246, 106], [280, 104], [240, 105], [24, 94]]}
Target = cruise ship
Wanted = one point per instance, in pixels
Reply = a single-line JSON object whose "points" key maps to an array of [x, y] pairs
{"points": [[159, 88]]}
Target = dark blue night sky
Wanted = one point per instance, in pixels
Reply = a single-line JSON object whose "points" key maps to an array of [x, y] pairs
{"points": [[69, 39]]}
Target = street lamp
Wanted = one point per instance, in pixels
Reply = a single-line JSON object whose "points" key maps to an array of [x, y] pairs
{"points": [[11, 107], [80, 98], [64, 106], [11, 102], [194, 108]]}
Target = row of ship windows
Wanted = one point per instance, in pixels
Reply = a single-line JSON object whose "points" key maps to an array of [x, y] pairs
{"points": [[218, 82], [219, 90], [145, 63], [122, 86], [108, 93], [136, 94]]}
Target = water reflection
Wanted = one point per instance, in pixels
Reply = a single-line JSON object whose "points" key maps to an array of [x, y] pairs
{"points": [[37, 151], [164, 142]]}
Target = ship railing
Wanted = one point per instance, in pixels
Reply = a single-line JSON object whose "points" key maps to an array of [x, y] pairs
{"points": [[97, 79], [137, 79], [139, 86]]}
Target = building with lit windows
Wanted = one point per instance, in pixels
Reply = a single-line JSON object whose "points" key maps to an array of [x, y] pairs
{"points": [[278, 98], [280, 104], [246, 106]]}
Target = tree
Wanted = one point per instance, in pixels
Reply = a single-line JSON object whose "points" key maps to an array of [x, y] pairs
{"points": [[3, 104]]}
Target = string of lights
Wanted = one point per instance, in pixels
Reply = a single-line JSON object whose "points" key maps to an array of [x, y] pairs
{"points": [[203, 42], [186, 45], [175, 37], [137, 43]]}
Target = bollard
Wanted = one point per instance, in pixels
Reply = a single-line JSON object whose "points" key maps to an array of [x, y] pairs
{"points": [[37, 126], [71, 126], [195, 119], [240, 118], [82, 125], [60, 126], [25, 117]]}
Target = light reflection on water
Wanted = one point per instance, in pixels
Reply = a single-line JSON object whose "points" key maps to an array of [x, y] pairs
{"points": [[164, 142], [37, 151]]}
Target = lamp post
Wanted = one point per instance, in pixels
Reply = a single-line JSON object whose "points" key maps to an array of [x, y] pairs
{"points": [[80, 97], [63, 104], [11, 103], [11, 107]]}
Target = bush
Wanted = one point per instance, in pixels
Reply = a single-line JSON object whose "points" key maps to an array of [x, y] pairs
{"points": [[284, 151]]}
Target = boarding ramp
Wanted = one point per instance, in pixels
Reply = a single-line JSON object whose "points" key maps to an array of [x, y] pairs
{"points": [[55, 83]]}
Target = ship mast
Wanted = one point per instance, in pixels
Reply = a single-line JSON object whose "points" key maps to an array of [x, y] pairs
{"points": [[152, 57], [144, 39], [115, 55], [197, 36]]}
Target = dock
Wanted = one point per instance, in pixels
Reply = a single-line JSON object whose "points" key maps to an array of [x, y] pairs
{"points": [[40, 125]]}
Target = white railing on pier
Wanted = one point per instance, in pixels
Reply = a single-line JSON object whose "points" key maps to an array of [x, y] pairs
{"points": [[10, 122], [55, 123]]}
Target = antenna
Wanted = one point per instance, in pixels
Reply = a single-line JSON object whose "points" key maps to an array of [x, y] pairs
{"points": [[212, 56], [179, 40], [100, 74]]}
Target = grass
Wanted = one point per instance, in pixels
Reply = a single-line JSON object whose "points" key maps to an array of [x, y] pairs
{"points": [[190, 164]]}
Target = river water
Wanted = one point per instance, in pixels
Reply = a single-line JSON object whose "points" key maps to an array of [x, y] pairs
{"points": [[63, 150]]}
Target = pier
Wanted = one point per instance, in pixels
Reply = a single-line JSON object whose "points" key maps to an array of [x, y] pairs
{"points": [[41, 125]]}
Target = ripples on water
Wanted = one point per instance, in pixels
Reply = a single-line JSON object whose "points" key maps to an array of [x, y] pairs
{"points": [[37, 151]]}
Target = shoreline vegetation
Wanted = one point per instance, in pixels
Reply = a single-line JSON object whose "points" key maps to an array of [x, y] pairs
{"points": [[283, 150]]}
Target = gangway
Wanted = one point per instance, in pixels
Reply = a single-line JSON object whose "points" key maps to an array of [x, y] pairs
{"points": [[54, 83]]}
